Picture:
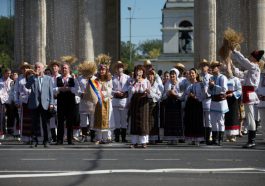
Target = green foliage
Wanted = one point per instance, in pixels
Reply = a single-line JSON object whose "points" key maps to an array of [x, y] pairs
{"points": [[150, 48], [6, 41]]}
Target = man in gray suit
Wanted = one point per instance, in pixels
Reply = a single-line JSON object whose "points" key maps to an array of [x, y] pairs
{"points": [[40, 101]]}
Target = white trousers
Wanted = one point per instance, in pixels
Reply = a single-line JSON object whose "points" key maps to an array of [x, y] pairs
{"points": [[217, 121], [103, 135], [120, 117], [207, 119], [139, 139], [256, 113], [262, 116], [250, 117], [84, 122]]}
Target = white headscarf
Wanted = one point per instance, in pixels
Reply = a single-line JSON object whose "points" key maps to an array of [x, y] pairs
{"points": [[176, 71]]}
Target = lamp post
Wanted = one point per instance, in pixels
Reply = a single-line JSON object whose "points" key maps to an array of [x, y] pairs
{"points": [[130, 32]]}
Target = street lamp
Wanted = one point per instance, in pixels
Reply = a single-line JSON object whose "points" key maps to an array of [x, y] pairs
{"points": [[130, 32]]}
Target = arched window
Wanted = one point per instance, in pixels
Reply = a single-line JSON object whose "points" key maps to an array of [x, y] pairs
{"points": [[185, 37]]}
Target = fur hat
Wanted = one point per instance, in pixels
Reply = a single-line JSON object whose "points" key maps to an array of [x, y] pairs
{"points": [[257, 54]]}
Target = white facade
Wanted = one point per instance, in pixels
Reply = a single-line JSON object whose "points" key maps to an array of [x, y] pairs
{"points": [[177, 35]]}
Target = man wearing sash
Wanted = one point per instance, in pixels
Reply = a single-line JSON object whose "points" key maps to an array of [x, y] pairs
{"points": [[249, 86], [219, 106]]}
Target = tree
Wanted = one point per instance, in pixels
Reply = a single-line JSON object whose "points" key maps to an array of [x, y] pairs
{"points": [[125, 54], [150, 48], [6, 41]]}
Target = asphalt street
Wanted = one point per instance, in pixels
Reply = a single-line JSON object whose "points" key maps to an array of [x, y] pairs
{"points": [[116, 164]]}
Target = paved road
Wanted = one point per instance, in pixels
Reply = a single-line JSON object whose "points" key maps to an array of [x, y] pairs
{"points": [[116, 164]]}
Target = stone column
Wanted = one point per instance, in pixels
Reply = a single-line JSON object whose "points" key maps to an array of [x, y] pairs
{"points": [[86, 30], [112, 33], [35, 31], [205, 30], [18, 33], [257, 25]]}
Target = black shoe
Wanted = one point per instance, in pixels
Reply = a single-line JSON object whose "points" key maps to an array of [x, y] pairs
{"points": [[59, 143], [70, 143]]}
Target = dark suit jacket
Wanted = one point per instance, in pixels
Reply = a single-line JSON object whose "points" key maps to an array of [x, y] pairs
{"points": [[45, 95]]}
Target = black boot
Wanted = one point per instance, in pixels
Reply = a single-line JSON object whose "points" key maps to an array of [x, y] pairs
{"points": [[214, 136], [207, 135], [92, 135], [123, 135], [117, 135], [221, 138], [251, 139], [53, 133]]}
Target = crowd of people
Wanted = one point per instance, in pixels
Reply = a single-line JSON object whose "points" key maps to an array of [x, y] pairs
{"points": [[206, 105]]}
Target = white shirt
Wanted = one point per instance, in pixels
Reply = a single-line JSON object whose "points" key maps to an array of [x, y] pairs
{"points": [[252, 75]]}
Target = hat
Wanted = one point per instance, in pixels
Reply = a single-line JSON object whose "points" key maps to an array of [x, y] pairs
{"points": [[179, 66], [204, 62], [25, 65], [215, 64], [69, 59], [120, 64], [147, 62], [257, 54], [54, 62]]}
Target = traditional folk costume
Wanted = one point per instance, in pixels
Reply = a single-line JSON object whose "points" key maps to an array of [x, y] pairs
{"points": [[261, 95], [139, 112], [54, 119], [83, 109], [155, 96], [21, 94], [66, 107], [104, 119], [206, 103], [249, 86], [120, 105], [193, 118], [232, 121], [172, 112], [218, 106], [6, 101]]}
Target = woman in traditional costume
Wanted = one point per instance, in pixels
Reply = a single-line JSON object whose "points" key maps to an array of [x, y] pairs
{"points": [[193, 118], [155, 95], [139, 108], [104, 118], [171, 110]]}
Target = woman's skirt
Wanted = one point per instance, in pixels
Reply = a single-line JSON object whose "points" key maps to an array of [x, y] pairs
{"points": [[139, 115], [172, 119], [193, 120], [153, 121], [232, 118]]}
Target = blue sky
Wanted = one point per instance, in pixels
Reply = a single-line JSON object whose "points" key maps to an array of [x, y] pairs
{"points": [[146, 22]]}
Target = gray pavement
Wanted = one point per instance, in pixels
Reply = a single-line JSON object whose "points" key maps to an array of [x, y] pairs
{"points": [[116, 164]]}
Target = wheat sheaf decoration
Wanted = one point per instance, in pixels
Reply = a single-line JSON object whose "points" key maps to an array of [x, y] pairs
{"points": [[103, 59], [87, 68], [69, 59], [231, 41]]}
